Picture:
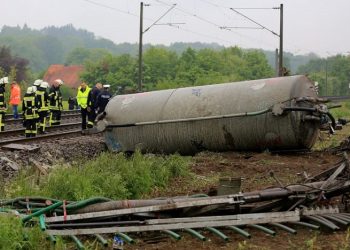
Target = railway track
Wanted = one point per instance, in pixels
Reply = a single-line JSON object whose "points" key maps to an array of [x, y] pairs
{"points": [[64, 112], [18, 135], [67, 116]]}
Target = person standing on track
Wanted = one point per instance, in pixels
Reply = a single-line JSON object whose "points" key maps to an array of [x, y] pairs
{"points": [[55, 103], [3, 106], [15, 98], [30, 112], [43, 106], [92, 99], [103, 99], [82, 99]]}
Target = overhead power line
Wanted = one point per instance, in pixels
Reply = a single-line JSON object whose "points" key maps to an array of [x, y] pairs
{"points": [[155, 22], [262, 26], [112, 8], [149, 19], [212, 23]]}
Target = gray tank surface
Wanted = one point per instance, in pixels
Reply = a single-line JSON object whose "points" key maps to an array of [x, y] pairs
{"points": [[277, 114]]}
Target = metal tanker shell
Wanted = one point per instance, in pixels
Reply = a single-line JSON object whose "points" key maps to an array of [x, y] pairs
{"points": [[229, 116]]}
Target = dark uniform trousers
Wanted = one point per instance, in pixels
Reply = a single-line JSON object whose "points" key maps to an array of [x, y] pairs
{"points": [[84, 115]]}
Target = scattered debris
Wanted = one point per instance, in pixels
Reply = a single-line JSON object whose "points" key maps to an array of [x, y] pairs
{"points": [[16, 146]]}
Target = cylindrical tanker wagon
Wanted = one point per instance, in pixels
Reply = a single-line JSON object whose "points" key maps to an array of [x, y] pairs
{"points": [[277, 114]]}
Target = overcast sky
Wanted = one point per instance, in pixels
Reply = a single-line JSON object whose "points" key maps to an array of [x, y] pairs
{"points": [[319, 26]]}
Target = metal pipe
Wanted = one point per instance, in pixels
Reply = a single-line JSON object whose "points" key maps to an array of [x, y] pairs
{"points": [[322, 221], [240, 231], [254, 113], [195, 234], [42, 211], [80, 245], [344, 218], [335, 219], [172, 234], [51, 238], [126, 238], [218, 233], [42, 222], [284, 227], [101, 240], [262, 228], [305, 224]]}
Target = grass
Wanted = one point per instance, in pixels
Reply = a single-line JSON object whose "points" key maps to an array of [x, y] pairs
{"points": [[110, 175], [14, 236], [343, 111]]}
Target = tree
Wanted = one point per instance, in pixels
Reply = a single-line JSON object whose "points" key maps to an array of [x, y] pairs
{"points": [[15, 66]]}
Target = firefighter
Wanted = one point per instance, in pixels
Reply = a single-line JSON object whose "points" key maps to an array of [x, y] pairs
{"points": [[37, 83], [55, 102], [43, 108], [3, 106], [103, 99], [92, 98], [30, 112], [82, 99]]}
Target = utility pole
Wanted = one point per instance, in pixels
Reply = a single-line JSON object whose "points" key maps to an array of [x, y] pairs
{"points": [[326, 77], [281, 42], [141, 36], [280, 35], [277, 72], [140, 48]]}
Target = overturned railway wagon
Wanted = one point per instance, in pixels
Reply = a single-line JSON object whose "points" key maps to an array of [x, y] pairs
{"points": [[277, 114]]}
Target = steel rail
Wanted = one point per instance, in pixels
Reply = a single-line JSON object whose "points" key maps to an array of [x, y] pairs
{"points": [[20, 131], [64, 112]]}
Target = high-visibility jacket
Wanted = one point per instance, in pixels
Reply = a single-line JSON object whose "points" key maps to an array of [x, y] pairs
{"points": [[82, 97], [30, 107], [15, 94], [43, 99], [3, 106]]}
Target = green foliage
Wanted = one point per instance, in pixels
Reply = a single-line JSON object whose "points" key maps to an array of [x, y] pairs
{"points": [[80, 56], [332, 74], [110, 175], [14, 236], [163, 69]]}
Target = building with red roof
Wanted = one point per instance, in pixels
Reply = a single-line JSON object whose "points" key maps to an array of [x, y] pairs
{"points": [[70, 75]]}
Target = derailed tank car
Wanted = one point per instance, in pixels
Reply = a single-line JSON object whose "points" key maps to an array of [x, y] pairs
{"points": [[277, 114]]}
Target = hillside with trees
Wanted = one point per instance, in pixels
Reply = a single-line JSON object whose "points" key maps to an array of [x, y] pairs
{"points": [[69, 45], [164, 68]]}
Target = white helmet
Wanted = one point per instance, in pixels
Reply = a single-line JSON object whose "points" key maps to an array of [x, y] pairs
{"points": [[37, 82], [34, 88], [4, 80], [44, 85], [30, 90], [106, 86], [59, 81]]}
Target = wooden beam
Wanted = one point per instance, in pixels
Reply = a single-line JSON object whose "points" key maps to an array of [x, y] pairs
{"points": [[261, 218], [163, 207]]}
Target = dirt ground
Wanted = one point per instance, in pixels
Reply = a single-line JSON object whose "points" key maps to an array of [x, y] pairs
{"points": [[255, 170], [207, 167]]}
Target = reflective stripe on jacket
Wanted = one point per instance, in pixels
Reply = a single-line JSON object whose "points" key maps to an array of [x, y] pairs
{"points": [[43, 100], [29, 107], [3, 106]]}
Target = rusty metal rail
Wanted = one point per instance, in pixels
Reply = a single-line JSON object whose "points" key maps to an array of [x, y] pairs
{"points": [[64, 112], [17, 135]]}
